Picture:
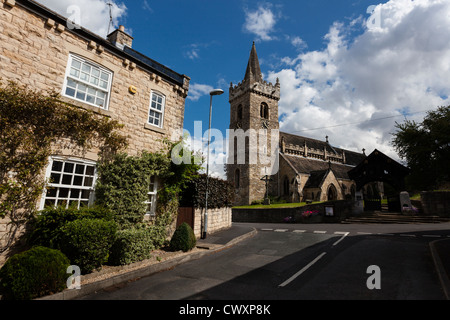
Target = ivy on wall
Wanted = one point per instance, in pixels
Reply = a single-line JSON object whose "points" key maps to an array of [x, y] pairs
{"points": [[124, 182], [32, 125]]}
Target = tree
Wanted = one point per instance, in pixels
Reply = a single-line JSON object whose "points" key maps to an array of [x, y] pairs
{"points": [[33, 125], [426, 148]]}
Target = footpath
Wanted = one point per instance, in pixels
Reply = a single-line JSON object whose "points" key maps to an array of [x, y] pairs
{"points": [[117, 276]]}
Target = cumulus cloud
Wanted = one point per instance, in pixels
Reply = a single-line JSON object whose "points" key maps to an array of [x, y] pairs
{"points": [[90, 14], [260, 22], [355, 89], [197, 90]]}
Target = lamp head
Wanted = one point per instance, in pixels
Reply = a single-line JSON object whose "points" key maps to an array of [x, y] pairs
{"points": [[216, 92]]}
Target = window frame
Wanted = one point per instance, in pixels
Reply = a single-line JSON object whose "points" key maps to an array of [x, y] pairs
{"points": [[88, 85], [152, 197], [162, 111], [58, 199]]}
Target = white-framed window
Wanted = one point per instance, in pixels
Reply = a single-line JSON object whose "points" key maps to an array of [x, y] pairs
{"points": [[87, 82], [151, 197], [156, 112], [70, 182]]}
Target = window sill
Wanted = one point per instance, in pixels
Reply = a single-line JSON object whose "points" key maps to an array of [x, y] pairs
{"points": [[85, 106], [154, 128]]}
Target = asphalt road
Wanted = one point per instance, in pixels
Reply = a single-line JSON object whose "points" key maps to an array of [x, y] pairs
{"points": [[307, 262]]}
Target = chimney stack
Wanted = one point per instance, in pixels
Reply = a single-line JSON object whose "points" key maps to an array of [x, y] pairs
{"points": [[120, 38]]}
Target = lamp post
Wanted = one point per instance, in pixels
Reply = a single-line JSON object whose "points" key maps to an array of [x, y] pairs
{"points": [[215, 92]]}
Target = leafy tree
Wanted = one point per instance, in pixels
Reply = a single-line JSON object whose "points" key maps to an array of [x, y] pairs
{"points": [[426, 148], [33, 125]]}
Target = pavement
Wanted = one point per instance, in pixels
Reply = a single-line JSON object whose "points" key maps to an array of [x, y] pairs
{"points": [[213, 243], [440, 250]]}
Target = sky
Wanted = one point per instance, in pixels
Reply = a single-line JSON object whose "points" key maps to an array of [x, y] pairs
{"points": [[348, 69]]}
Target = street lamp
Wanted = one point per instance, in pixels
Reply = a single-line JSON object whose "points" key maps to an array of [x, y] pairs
{"points": [[215, 92]]}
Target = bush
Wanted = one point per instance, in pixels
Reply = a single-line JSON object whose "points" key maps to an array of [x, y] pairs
{"points": [[34, 273], [131, 245], [46, 227], [87, 242], [183, 238]]}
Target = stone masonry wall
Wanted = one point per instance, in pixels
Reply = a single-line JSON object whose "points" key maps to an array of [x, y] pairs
{"points": [[36, 54], [34, 51], [218, 219]]}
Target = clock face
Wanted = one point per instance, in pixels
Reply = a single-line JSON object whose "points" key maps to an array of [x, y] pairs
{"points": [[238, 125], [265, 124]]}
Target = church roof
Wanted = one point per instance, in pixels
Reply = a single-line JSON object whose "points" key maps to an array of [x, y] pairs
{"points": [[351, 158], [253, 67], [317, 167]]}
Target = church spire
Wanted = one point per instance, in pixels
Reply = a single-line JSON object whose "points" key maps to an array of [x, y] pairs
{"points": [[253, 72]]}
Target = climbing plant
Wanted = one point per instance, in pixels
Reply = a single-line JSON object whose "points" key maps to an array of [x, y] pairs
{"points": [[33, 124]]}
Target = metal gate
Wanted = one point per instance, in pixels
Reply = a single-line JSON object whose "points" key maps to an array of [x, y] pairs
{"points": [[373, 204]]}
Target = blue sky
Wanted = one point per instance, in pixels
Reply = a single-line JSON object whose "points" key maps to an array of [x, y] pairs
{"points": [[344, 72]]}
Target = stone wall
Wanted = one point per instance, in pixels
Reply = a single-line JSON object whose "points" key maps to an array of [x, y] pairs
{"points": [[436, 203], [342, 209], [35, 52], [218, 220]]}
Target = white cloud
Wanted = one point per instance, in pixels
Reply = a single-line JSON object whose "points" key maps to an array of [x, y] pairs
{"points": [[197, 90], [260, 22], [401, 64], [90, 14]]}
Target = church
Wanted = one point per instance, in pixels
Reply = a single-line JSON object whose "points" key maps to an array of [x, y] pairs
{"points": [[305, 170]]}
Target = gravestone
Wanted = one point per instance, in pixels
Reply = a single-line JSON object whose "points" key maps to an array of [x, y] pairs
{"points": [[405, 202], [358, 208]]}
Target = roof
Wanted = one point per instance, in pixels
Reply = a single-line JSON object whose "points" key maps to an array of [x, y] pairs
{"points": [[316, 178], [315, 167], [253, 67], [352, 158], [128, 53]]}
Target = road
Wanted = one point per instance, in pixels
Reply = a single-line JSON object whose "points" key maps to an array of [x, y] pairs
{"points": [[306, 262]]}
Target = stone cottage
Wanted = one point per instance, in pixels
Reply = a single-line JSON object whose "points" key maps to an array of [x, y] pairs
{"points": [[43, 50]]}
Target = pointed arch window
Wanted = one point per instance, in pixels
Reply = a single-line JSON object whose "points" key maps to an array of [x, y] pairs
{"points": [[239, 112], [264, 111], [286, 186], [237, 179]]}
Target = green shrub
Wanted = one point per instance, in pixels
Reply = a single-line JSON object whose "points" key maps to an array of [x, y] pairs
{"points": [[34, 273], [183, 238], [47, 225], [131, 245], [87, 242]]}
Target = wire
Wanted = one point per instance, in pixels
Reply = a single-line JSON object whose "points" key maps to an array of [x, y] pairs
{"points": [[355, 123]]}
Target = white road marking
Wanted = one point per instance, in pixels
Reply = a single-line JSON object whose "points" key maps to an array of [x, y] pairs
{"points": [[344, 234], [302, 271], [320, 232], [281, 230], [299, 231]]}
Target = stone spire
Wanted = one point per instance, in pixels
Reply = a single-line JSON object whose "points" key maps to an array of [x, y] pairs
{"points": [[253, 72]]}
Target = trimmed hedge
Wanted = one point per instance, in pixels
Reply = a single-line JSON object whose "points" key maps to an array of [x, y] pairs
{"points": [[131, 245], [34, 273], [183, 238], [47, 225], [87, 242], [221, 193]]}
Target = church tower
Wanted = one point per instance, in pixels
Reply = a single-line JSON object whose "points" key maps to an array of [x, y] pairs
{"points": [[254, 133]]}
